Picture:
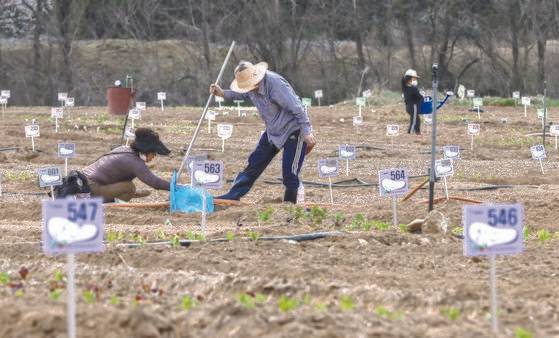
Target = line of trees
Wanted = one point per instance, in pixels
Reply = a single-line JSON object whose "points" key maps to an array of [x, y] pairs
{"points": [[82, 46]]}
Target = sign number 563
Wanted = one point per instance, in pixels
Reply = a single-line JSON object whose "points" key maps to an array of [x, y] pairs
{"points": [[212, 168]]}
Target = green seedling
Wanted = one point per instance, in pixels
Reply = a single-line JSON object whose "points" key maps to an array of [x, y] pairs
{"points": [[114, 236], [58, 276], [346, 303], [543, 235], [320, 307], [20, 293], [55, 294], [253, 235], [230, 235], [195, 236], [246, 300], [175, 241], [358, 221], [526, 232], [381, 311], [89, 296], [451, 313], [114, 300], [403, 228], [339, 219], [4, 278], [382, 226], [457, 230], [161, 235], [139, 239], [265, 215], [317, 215], [521, 332], [287, 304], [187, 303], [298, 214], [260, 298]]}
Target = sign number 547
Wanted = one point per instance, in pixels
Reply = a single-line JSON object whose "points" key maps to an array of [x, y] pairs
{"points": [[79, 212]]}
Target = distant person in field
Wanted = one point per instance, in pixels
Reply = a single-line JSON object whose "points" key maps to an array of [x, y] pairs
{"points": [[111, 175], [287, 127], [413, 100]]}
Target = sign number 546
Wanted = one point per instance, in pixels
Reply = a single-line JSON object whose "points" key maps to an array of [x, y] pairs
{"points": [[502, 216], [80, 212]]}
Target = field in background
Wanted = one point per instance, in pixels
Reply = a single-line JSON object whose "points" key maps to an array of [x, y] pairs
{"points": [[375, 280]]}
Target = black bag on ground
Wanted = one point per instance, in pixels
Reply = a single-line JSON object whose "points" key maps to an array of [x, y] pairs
{"points": [[73, 184]]}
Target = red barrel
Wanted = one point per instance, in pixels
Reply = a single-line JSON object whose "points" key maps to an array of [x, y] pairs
{"points": [[119, 100]]}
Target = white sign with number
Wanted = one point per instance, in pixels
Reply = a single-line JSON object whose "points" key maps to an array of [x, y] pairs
{"points": [[554, 130], [32, 130], [473, 128], [470, 93], [135, 114], [141, 105], [392, 130], [526, 100], [451, 152], [3, 100], [444, 168], [224, 131], [347, 152], [49, 177], [6, 93], [130, 133], [161, 96], [538, 152], [516, 95], [219, 99], [56, 112], [318, 94], [360, 101], [67, 150], [208, 174], [328, 167], [306, 101], [357, 121], [70, 102], [210, 115], [367, 93], [62, 96], [478, 102], [393, 182], [541, 113]]}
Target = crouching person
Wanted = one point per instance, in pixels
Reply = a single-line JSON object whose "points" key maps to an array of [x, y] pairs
{"points": [[111, 175]]}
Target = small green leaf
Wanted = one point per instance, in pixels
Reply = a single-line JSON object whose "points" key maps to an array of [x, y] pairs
{"points": [[346, 303], [4, 278], [230, 235], [89, 296], [55, 294], [521, 332], [114, 300], [187, 303], [287, 304]]}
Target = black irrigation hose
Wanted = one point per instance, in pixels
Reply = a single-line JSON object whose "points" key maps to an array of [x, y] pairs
{"points": [[298, 238]]}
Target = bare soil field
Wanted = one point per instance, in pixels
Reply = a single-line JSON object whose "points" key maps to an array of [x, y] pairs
{"points": [[370, 280]]}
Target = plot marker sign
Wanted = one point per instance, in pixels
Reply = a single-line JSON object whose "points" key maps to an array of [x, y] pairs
{"points": [[444, 168], [360, 102], [526, 101], [473, 130], [477, 104], [32, 131], [162, 96], [207, 175], [72, 226], [224, 132], [66, 151], [56, 113], [346, 153], [451, 152], [554, 131], [219, 101], [490, 230], [328, 168], [538, 154], [318, 94], [393, 183], [210, 116], [392, 130]]}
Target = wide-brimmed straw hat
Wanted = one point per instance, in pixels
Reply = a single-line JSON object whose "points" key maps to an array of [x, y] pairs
{"points": [[248, 76], [411, 73]]}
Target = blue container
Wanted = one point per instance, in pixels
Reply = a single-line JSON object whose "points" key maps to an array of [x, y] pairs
{"points": [[426, 105], [187, 199]]}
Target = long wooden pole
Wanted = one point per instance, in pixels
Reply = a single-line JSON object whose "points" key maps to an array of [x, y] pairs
{"points": [[204, 112]]}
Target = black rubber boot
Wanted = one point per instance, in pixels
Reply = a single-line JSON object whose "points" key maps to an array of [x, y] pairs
{"points": [[290, 196]]}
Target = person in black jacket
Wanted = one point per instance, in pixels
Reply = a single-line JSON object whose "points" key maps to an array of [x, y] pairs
{"points": [[413, 100]]}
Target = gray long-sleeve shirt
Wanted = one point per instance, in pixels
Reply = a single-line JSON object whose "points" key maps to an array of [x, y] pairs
{"points": [[279, 106], [121, 165]]}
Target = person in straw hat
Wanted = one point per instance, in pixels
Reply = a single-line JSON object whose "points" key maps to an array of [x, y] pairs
{"points": [[413, 99], [287, 127]]}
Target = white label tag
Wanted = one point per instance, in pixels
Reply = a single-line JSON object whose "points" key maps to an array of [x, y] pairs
{"points": [[328, 167], [318, 94], [69, 102], [130, 133], [347, 152], [3, 100], [444, 168], [478, 102], [393, 182], [516, 95], [141, 105], [470, 93], [208, 174], [224, 131], [219, 99], [56, 112], [526, 100], [451, 152], [161, 96], [210, 115], [392, 130], [32, 130], [135, 114], [554, 130], [360, 101], [538, 152], [66, 150], [62, 96], [367, 93], [6, 93], [473, 128], [49, 177], [357, 120]]}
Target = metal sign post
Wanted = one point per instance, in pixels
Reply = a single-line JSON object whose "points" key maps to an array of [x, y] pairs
{"points": [[544, 112], [433, 138]]}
